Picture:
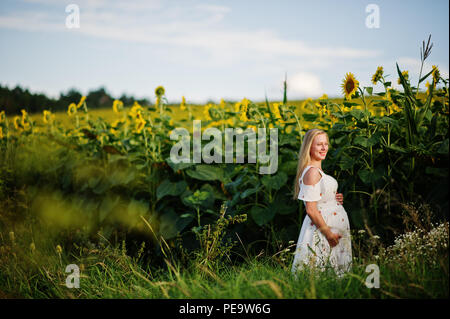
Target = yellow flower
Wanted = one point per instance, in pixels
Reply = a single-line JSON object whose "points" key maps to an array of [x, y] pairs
{"points": [[405, 75], [183, 104], [378, 74], [323, 97], [436, 74], [159, 91], [222, 103], [25, 120], [72, 109], [276, 110], [349, 85], [206, 111], [1, 132], [118, 106], [47, 117], [237, 107], [244, 103], [58, 249], [428, 87], [137, 108], [80, 104], [2, 116], [17, 124], [140, 124]]}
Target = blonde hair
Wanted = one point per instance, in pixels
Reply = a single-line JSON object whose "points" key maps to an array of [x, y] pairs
{"points": [[304, 157]]}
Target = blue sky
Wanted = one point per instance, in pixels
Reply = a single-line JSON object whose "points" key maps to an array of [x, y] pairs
{"points": [[215, 49]]}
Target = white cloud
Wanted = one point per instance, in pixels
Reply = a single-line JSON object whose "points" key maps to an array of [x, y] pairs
{"points": [[191, 27], [304, 84]]}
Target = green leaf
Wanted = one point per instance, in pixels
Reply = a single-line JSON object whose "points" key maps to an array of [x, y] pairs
{"points": [[249, 191], [178, 166], [289, 167], [283, 205], [275, 182], [396, 148], [369, 89], [368, 176], [168, 224], [169, 188], [206, 172], [261, 215], [310, 117], [358, 114], [444, 149], [361, 140]]}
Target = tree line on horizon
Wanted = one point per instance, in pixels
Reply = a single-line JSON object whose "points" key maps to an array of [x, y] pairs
{"points": [[14, 99]]}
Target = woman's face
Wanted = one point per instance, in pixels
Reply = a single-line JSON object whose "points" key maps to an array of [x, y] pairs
{"points": [[319, 147]]}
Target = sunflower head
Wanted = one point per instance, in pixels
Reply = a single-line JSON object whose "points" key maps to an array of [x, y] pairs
{"points": [[17, 123], [276, 110], [206, 112], [80, 104], [117, 106], [25, 120], [349, 85], [378, 74], [160, 91], [436, 74], [140, 124], [137, 108], [183, 104], [72, 109], [47, 117], [405, 75]]}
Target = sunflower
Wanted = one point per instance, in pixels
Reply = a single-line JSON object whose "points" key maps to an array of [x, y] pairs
{"points": [[222, 103], [72, 109], [183, 104], [47, 117], [206, 111], [2, 116], [436, 74], [80, 104], [25, 120], [117, 106], [1, 132], [405, 75], [159, 91], [349, 85], [428, 87], [244, 109], [140, 124], [276, 111], [137, 108], [17, 124], [377, 76]]}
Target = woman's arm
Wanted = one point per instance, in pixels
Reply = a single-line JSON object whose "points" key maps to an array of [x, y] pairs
{"points": [[312, 177]]}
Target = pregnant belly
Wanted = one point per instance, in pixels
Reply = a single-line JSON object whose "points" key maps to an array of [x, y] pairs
{"points": [[335, 216]]}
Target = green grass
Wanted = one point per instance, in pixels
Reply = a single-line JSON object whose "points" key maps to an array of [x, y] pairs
{"points": [[108, 272]]}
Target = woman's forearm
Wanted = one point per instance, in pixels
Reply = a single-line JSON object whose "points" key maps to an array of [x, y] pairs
{"points": [[318, 220]]}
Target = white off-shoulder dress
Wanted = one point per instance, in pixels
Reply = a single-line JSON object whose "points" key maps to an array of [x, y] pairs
{"points": [[313, 249]]}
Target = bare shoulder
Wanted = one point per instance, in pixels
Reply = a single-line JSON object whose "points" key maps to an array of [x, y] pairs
{"points": [[312, 176]]}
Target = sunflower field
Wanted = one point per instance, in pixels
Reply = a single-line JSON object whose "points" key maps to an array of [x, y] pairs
{"points": [[85, 185]]}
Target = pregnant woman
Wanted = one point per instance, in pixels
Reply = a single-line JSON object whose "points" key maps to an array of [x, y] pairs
{"points": [[324, 240]]}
